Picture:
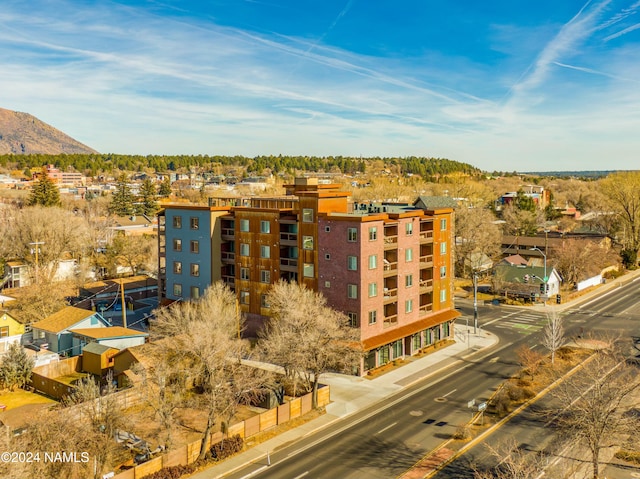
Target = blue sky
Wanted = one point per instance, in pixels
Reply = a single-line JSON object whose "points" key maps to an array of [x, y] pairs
{"points": [[503, 85]]}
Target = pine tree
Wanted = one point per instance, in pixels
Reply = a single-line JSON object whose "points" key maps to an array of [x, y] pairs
{"points": [[44, 192], [148, 204], [122, 199], [165, 187], [16, 367]]}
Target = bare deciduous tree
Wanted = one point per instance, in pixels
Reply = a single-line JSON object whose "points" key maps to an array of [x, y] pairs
{"points": [[61, 233], [206, 332], [306, 337], [553, 338], [594, 402], [530, 359], [514, 463], [476, 233]]}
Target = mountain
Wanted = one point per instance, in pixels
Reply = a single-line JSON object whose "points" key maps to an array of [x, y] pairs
{"points": [[22, 134]]}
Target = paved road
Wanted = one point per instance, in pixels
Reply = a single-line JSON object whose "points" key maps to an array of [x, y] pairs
{"points": [[618, 313], [385, 439]]}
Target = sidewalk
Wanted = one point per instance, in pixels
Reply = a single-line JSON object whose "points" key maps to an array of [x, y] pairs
{"points": [[350, 394]]}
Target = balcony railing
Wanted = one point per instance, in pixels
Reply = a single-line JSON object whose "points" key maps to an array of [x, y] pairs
{"points": [[390, 269], [426, 236], [390, 294], [228, 233], [390, 242], [289, 264], [426, 285], [426, 261], [426, 308], [290, 239], [228, 257]]}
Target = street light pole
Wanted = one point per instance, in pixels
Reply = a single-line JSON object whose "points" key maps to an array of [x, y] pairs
{"points": [[475, 303]]}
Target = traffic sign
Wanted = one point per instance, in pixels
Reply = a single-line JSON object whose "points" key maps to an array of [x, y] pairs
{"points": [[482, 406]]}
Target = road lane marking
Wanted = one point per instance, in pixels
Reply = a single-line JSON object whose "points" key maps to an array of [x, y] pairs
{"points": [[388, 427], [301, 475], [450, 392], [257, 471]]}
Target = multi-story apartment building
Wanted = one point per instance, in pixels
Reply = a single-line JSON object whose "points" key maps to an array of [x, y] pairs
{"points": [[387, 266]]}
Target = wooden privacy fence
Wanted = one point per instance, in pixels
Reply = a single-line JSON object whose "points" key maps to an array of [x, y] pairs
{"points": [[189, 453]]}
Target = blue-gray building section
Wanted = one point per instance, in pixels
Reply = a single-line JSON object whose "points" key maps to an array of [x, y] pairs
{"points": [[183, 284]]}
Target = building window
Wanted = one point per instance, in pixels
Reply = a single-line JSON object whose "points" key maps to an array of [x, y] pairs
{"points": [[244, 297], [373, 261], [194, 222], [244, 274], [408, 228], [446, 330], [307, 215], [373, 317], [264, 301], [265, 276], [408, 280], [352, 235], [352, 263], [353, 319], [308, 270], [415, 342], [177, 289], [373, 233], [177, 267], [177, 244], [195, 292], [352, 291], [408, 306], [373, 290], [177, 222], [265, 227], [443, 224], [443, 271], [327, 229], [408, 255], [327, 284], [307, 242], [443, 295], [195, 246], [244, 226], [443, 247], [265, 251], [195, 269], [4, 331], [244, 249], [327, 256]]}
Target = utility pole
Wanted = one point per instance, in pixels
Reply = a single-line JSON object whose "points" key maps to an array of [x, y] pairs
{"points": [[124, 306], [35, 249]]}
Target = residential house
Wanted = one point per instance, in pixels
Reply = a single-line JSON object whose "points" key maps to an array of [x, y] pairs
{"points": [[11, 330], [114, 336], [55, 330], [526, 281], [388, 266], [97, 358]]}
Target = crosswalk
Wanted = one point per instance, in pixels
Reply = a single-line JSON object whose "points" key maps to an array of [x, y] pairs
{"points": [[524, 322]]}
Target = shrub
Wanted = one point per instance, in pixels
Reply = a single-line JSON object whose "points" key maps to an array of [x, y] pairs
{"points": [[629, 456], [227, 447], [173, 472], [501, 403], [463, 433]]}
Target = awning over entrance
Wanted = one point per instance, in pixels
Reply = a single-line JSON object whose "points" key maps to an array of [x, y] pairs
{"points": [[409, 329]]}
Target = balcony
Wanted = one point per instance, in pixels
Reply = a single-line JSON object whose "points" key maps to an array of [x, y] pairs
{"points": [[426, 261], [426, 308], [426, 285], [390, 269], [289, 239], [426, 237], [390, 242], [229, 281], [228, 257], [289, 264], [390, 295], [228, 233]]}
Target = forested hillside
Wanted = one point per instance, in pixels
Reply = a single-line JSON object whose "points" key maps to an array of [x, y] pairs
{"points": [[95, 163]]}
